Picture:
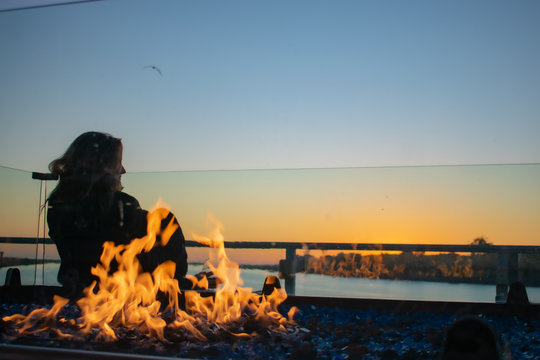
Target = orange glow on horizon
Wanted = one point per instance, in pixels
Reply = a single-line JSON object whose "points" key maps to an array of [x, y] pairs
{"points": [[424, 205]]}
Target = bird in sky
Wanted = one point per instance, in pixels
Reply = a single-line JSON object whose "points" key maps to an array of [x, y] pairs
{"points": [[154, 68]]}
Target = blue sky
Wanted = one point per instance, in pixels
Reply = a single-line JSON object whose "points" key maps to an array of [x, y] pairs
{"points": [[281, 84]]}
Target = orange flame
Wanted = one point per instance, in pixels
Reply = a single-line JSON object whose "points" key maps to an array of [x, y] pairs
{"points": [[232, 300], [128, 297], [45, 318]]}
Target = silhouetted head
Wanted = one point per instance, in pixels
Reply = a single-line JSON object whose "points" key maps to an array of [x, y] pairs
{"points": [[91, 153], [92, 161], [517, 294], [270, 284], [470, 338]]}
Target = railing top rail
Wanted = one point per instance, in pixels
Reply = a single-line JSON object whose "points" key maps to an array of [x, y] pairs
{"points": [[530, 249]]}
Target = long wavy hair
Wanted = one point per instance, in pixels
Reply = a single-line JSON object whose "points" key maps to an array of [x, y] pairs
{"points": [[90, 168]]}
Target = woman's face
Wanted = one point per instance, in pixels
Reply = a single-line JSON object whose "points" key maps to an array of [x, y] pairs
{"points": [[119, 167]]}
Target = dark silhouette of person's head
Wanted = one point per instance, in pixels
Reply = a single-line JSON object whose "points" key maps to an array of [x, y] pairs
{"points": [[517, 294], [93, 162], [470, 338]]}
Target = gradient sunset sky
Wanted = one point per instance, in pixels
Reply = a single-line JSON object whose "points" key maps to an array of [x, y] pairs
{"points": [[289, 85]]}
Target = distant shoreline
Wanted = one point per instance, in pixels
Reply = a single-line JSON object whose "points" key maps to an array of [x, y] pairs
{"points": [[11, 261], [445, 268]]}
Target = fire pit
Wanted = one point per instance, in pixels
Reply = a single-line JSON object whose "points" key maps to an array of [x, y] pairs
{"points": [[127, 308], [324, 328]]}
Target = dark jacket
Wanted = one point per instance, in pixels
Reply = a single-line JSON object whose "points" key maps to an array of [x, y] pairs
{"points": [[79, 230]]}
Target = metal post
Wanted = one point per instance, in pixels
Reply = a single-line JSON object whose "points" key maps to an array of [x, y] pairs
{"points": [[42, 209], [507, 273], [290, 281], [501, 289], [513, 267], [287, 270]]}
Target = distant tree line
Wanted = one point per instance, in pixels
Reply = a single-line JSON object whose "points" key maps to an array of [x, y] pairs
{"points": [[446, 267]]}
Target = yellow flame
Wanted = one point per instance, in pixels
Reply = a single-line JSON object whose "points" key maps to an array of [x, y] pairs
{"points": [[44, 317], [128, 297], [231, 299]]}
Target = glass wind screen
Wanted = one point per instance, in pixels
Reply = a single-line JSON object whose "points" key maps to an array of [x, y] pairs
{"points": [[499, 204]]}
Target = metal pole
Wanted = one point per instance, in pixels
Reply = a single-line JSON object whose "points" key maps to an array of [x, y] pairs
{"points": [[43, 178], [290, 279], [38, 227], [501, 289]]}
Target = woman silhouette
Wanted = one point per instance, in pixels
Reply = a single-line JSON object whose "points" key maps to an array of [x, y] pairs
{"points": [[88, 207]]}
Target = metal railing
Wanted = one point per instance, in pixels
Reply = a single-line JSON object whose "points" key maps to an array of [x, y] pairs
{"points": [[507, 264]]}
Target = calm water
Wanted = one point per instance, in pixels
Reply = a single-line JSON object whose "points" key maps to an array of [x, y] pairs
{"points": [[317, 285]]}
